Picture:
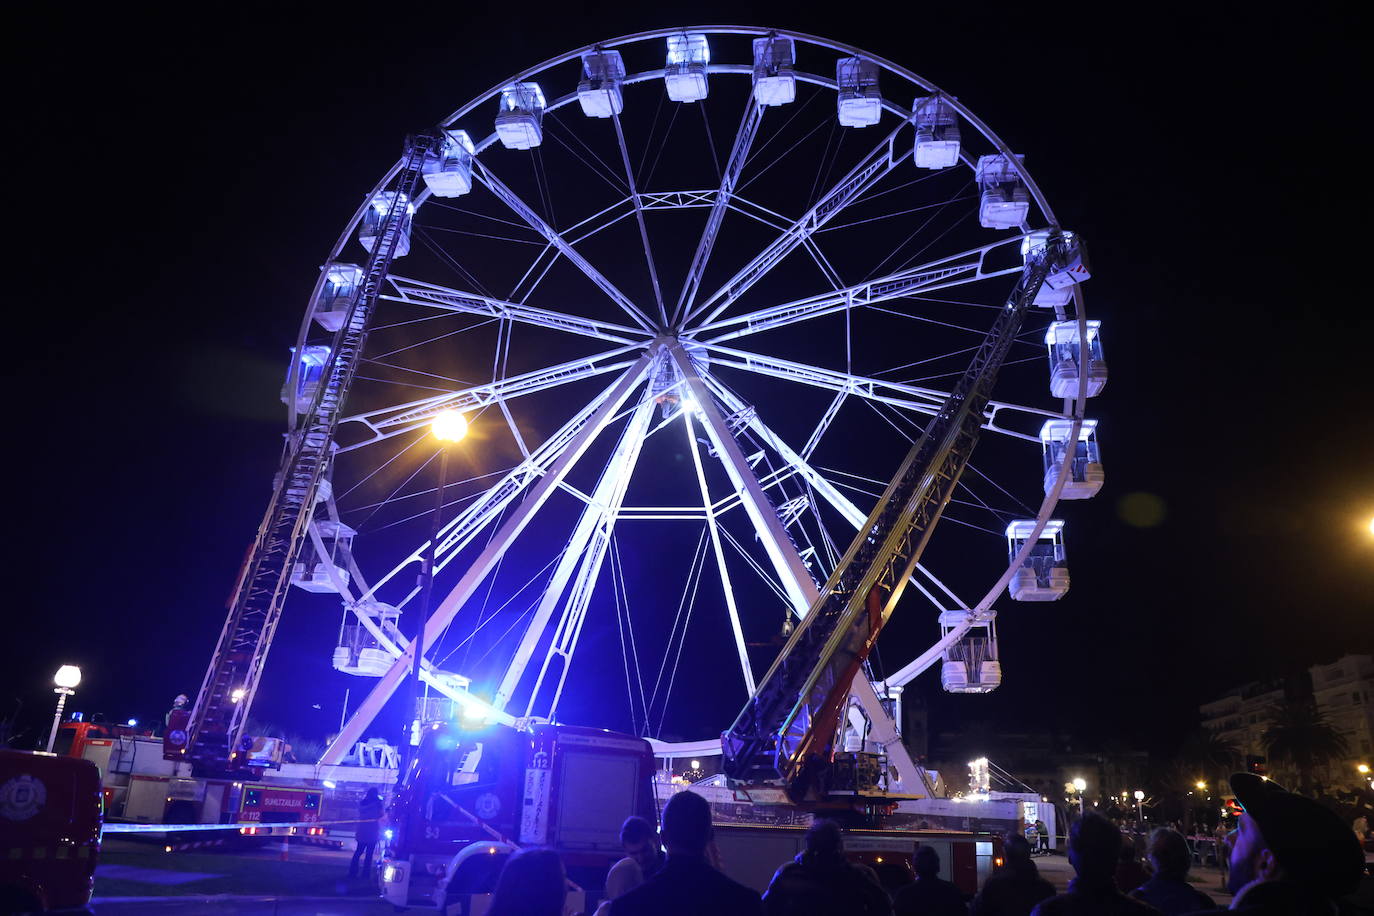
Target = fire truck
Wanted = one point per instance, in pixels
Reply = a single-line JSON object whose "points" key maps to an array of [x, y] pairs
{"points": [[489, 789], [50, 814]]}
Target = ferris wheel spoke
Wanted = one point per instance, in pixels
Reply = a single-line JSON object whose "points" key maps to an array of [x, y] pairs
{"points": [[399, 419], [482, 566], [897, 394], [952, 270], [739, 154], [877, 163], [583, 556], [713, 527], [639, 217], [432, 295], [565, 248]]}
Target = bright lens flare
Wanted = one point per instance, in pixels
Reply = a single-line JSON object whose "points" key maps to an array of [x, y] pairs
{"points": [[449, 426], [1371, 526]]}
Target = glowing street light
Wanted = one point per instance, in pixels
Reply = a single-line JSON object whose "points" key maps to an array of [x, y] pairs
{"points": [[1363, 769], [1080, 785], [1200, 785], [448, 426], [1139, 797], [66, 678]]}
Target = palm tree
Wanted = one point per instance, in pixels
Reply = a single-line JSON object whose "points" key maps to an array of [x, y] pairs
{"points": [[1299, 734], [1212, 756]]}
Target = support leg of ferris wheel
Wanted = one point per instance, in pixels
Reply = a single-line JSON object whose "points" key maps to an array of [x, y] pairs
{"points": [[776, 542], [714, 528], [443, 614], [605, 502], [801, 589]]}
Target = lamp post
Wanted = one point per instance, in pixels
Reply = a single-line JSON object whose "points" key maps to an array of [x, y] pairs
{"points": [[1080, 785], [448, 426], [66, 679], [1139, 797]]}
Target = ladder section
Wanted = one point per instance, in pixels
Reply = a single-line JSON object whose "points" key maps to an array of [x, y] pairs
{"points": [[787, 730], [214, 734]]}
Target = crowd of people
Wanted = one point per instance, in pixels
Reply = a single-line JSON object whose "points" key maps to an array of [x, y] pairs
{"points": [[1289, 857]]}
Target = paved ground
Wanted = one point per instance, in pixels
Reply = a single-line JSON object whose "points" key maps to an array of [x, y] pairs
{"points": [[138, 877]]}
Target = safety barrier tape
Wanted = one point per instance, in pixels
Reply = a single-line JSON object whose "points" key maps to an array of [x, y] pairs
{"points": [[301, 827]]}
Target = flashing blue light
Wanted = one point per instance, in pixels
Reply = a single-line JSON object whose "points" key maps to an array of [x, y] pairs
{"points": [[133, 723], [389, 833], [330, 784]]}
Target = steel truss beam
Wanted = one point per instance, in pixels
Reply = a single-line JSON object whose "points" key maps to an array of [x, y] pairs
{"points": [[448, 608], [596, 521], [524, 211], [402, 418], [953, 270], [879, 161], [417, 292]]}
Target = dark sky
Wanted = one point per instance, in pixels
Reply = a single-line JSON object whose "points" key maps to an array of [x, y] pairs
{"points": [[180, 182]]}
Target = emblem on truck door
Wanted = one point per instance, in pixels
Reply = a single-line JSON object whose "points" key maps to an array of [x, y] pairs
{"points": [[22, 797]]}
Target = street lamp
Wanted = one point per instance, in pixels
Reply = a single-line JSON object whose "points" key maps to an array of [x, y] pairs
{"points": [[1200, 785], [1139, 797], [448, 426], [66, 678], [1080, 785]]}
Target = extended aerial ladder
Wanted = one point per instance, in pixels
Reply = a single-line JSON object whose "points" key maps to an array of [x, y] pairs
{"points": [[788, 729], [213, 740]]}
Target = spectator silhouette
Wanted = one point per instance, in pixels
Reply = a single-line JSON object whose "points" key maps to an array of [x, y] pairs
{"points": [[533, 883], [1094, 851], [643, 859], [1016, 887], [930, 895], [687, 885], [1290, 856], [820, 882], [365, 834], [1169, 891], [1130, 874]]}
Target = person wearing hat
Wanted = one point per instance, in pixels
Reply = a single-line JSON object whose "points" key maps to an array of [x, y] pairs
{"points": [[1291, 856]]}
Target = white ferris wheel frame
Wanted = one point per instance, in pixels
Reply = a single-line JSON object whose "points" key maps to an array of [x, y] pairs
{"points": [[638, 342]]}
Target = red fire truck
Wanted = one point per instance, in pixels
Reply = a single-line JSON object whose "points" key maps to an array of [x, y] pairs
{"points": [[556, 786], [473, 796], [50, 813]]}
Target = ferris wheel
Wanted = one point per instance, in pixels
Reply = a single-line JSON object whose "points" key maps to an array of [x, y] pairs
{"points": [[695, 291]]}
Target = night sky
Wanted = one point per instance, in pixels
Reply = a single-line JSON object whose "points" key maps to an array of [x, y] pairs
{"points": [[180, 183]]}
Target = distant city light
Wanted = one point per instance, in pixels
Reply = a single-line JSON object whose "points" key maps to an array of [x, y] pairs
{"points": [[1363, 768], [696, 764]]}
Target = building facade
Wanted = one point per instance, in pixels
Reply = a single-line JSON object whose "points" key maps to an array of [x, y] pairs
{"points": [[1343, 691]]}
